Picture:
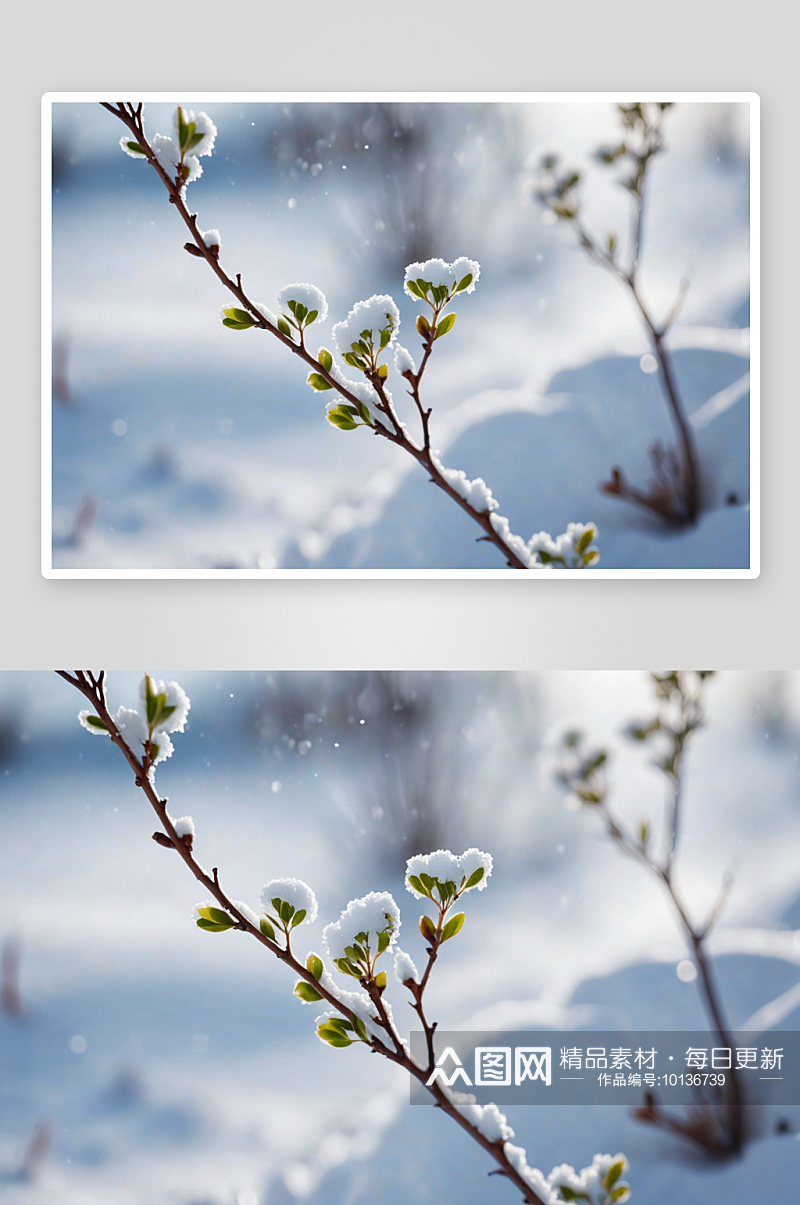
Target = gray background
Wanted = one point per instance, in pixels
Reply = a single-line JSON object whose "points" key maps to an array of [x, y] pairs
{"points": [[449, 45]]}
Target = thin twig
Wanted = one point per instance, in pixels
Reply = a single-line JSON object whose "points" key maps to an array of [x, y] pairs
{"points": [[92, 687], [131, 116]]}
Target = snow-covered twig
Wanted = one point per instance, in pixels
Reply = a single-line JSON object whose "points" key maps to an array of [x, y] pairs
{"points": [[674, 494], [369, 330], [366, 930], [582, 772]]}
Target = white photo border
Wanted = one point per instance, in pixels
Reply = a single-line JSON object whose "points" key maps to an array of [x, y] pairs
{"points": [[209, 97]]}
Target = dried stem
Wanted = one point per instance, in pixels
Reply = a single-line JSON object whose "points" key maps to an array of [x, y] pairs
{"points": [[685, 694], [675, 492], [92, 687]]}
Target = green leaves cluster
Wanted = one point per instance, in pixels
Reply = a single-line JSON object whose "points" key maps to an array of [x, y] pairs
{"points": [[359, 960], [188, 138], [363, 353], [286, 917], [306, 991], [438, 295], [214, 920], [157, 709], [94, 721], [339, 1032], [584, 555], [236, 319], [347, 417], [615, 1189], [428, 885], [302, 317]]}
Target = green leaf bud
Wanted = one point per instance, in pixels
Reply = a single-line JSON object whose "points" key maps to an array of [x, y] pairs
{"points": [[447, 323], [453, 926], [318, 382], [304, 991], [314, 965], [325, 358], [427, 928], [614, 1173], [586, 539], [341, 420]]}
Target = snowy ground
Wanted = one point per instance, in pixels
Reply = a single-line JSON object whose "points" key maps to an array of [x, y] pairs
{"points": [[184, 445], [174, 1066]]}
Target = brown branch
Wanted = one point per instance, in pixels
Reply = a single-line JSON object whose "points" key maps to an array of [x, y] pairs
{"points": [[686, 489], [92, 687], [131, 116]]}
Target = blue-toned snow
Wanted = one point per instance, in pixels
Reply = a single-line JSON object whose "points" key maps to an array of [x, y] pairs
{"points": [[186, 445], [200, 1080]]}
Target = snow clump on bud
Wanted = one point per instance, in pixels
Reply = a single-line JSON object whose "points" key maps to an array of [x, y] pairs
{"points": [[373, 915], [379, 313], [404, 361], [168, 703], [439, 274], [404, 968], [306, 295], [445, 867], [293, 892]]}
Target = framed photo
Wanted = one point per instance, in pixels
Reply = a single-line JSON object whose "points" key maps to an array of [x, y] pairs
{"points": [[411, 335]]}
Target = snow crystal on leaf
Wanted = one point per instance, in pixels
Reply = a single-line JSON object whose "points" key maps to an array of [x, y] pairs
{"points": [[441, 865], [438, 272], [308, 295], [167, 152], [204, 127], [404, 361], [292, 891], [446, 867], [589, 1181], [124, 141], [176, 697], [404, 967], [132, 726], [373, 315], [372, 914], [472, 860], [565, 545], [83, 716]]}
